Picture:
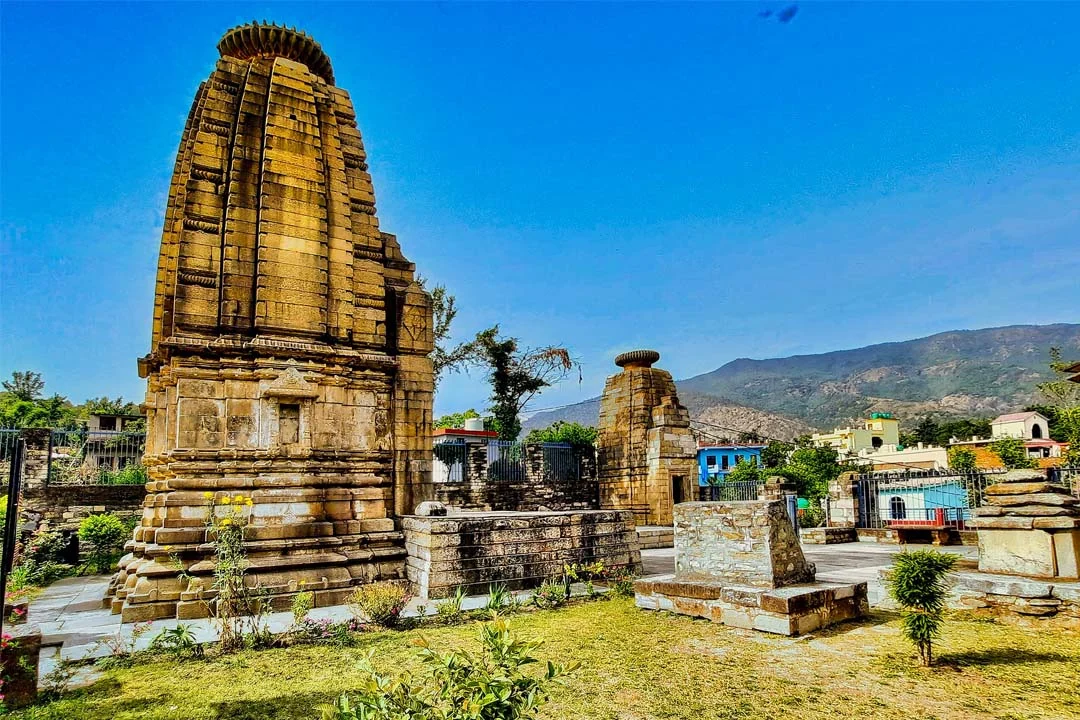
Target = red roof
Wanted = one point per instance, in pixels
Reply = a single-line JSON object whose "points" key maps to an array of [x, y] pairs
{"points": [[465, 433], [1013, 417]]}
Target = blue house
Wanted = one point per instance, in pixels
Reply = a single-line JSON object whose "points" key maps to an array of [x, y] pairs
{"points": [[716, 461]]}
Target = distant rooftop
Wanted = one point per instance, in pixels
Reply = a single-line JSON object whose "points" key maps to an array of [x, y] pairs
{"points": [[1014, 417]]}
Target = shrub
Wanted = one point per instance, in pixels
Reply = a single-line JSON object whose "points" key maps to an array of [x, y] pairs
{"points": [[302, 603], [105, 533], [564, 432], [179, 642], [962, 459], [812, 517], [1013, 454], [551, 594], [917, 582], [457, 685], [380, 603], [450, 608], [621, 582], [498, 596]]}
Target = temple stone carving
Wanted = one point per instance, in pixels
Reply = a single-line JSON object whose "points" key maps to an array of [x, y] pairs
{"points": [[288, 360], [645, 450]]}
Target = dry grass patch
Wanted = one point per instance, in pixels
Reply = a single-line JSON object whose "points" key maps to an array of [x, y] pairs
{"points": [[641, 665]]}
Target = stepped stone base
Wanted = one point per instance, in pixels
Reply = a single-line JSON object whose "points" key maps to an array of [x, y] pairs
{"points": [[828, 535], [652, 537], [1016, 595], [791, 610], [517, 549]]}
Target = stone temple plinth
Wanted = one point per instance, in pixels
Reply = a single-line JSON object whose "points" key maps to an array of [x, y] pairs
{"points": [[1029, 526], [288, 360], [646, 455], [740, 564]]}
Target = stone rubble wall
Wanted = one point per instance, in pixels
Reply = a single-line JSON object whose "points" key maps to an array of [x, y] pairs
{"points": [[520, 550], [1016, 595], [744, 543]]}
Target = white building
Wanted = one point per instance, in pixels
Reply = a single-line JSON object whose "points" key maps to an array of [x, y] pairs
{"points": [[1022, 425]]}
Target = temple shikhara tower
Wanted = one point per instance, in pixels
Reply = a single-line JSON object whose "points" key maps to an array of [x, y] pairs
{"points": [[288, 361], [646, 454]]}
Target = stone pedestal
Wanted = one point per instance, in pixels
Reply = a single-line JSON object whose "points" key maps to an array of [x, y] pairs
{"points": [[740, 564], [646, 454], [1029, 527]]}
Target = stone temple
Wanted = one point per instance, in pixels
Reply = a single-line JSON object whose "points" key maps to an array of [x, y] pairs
{"points": [[646, 453], [288, 360]]}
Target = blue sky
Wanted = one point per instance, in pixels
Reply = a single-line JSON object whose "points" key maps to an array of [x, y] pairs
{"points": [[692, 178]]}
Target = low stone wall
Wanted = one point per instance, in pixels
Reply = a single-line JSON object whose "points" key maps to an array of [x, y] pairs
{"points": [[526, 496], [891, 536], [1015, 595], [64, 506], [520, 550], [828, 535], [654, 537]]}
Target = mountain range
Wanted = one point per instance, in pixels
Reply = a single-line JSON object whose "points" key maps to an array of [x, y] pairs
{"points": [[960, 373]]}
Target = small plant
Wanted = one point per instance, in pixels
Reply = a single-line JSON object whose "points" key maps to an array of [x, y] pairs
{"points": [[328, 632], [621, 582], [550, 595], [917, 582], [302, 603], [380, 603], [122, 648], [179, 642], [105, 534], [55, 683], [492, 685], [450, 609], [498, 597], [584, 573]]}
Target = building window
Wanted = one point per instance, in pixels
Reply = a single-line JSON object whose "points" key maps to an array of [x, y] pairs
{"points": [[710, 461], [1036, 431], [877, 442], [723, 462], [897, 509], [107, 423], [738, 459]]}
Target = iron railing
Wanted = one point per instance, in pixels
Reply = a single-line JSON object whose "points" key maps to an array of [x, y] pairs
{"points": [[506, 461], [921, 498], [729, 491], [96, 457]]}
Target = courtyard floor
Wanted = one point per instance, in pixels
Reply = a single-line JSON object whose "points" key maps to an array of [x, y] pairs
{"points": [[640, 665]]}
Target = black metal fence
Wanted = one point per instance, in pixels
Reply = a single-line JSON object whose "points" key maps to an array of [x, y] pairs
{"points": [[916, 499], [729, 491], [87, 457]]}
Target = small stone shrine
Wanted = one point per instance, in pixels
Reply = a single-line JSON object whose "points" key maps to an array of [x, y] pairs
{"points": [[646, 454], [740, 564], [1029, 526], [289, 353]]}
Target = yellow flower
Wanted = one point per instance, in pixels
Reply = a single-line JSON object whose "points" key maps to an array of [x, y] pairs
{"points": [[303, 583], [226, 521], [249, 502], [208, 495], [168, 548], [226, 500]]}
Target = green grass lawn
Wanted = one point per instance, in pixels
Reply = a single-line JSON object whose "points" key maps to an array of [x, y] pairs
{"points": [[639, 665]]}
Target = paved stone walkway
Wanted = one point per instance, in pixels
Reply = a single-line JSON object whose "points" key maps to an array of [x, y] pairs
{"points": [[74, 625]]}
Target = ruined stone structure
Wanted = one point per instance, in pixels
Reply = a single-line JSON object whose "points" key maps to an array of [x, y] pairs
{"points": [[646, 454], [1029, 526], [740, 563], [289, 353], [518, 549]]}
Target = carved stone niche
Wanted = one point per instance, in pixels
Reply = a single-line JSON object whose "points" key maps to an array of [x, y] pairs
{"points": [[288, 401]]}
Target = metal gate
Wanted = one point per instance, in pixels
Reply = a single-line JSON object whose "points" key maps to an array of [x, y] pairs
{"points": [[914, 499]]}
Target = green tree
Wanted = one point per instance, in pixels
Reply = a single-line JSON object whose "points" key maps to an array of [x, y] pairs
{"points": [[564, 432], [776, 453], [926, 431], [445, 357], [105, 405], [25, 385], [745, 471], [456, 420], [517, 375], [1064, 396], [962, 429], [962, 459], [1012, 453], [917, 582], [812, 469]]}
